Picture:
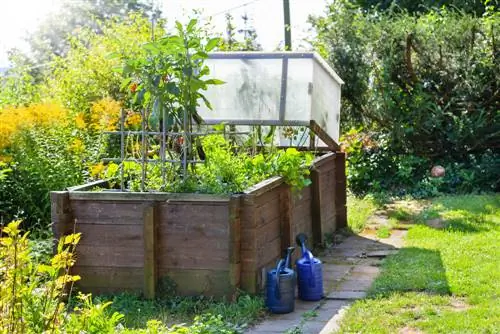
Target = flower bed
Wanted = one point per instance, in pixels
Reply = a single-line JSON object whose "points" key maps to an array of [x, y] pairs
{"points": [[207, 244]]}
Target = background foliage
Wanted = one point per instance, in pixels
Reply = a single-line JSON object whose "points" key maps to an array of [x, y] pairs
{"points": [[421, 90]]}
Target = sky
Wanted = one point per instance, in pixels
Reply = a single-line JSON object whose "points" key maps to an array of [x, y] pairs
{"points": [[19, 17]]}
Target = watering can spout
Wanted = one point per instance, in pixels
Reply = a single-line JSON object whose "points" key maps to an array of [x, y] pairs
{"points": [[289, 252]]}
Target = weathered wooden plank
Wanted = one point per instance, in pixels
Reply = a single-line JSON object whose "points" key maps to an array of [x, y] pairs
{"points": [[264, 186], [109, 277], [194, 216], [110, 235], [195, 282], [95, 290], [176, 243], [302, 209], [61, 214], [248, 238], [249, 282], [269, 196], [270, 252], [149, 235], [316, 200], [247, 213], [234, 242], [191, 258], [235, 275], [304, 195], [90, 185], [114, 210], [268, 212], [268, 232], [324, 136], [145, 196], [194, 230], [110, 256], [108, 221], [340, 191], [324, 161], [248, 260], [285, 218]]}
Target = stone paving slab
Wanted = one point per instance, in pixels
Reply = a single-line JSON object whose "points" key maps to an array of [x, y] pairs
{"points": [[381, 253], [346, 295], [363, 275], [313, 327], [355, 285], [349, 270], [363, 269]]}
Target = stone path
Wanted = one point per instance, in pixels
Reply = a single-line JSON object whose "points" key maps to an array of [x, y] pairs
{"points": [[349, 269]]}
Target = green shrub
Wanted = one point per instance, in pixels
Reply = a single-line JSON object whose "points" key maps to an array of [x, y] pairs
{"points": [[32, 293], [374, 166], [424, 90], [42, 161]]}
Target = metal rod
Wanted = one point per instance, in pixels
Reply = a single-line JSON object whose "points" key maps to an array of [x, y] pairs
{"points": [[261, 55], [256, 122], [152, 161], [122, 147], [284, 81], [163, 145], [144, 150], [288, 26], [156, 133], [133, 132]]}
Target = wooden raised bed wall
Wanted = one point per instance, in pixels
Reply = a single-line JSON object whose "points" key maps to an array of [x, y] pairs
{"points": [[206, 244]]}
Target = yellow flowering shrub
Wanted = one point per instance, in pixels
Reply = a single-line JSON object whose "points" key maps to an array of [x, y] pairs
{"points": [[133, 120], [105, 115], [13, 120], [77, 146]]}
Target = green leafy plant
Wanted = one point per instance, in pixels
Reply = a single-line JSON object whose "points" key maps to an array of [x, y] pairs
{"points": [[227, 169], [421, 90], [32, 293], [167, 81]]}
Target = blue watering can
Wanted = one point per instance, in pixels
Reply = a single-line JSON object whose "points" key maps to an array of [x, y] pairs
{"points": [[280, 286], [309, 273]]}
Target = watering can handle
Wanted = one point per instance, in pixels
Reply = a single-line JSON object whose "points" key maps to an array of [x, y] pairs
{"points": [[278, 270], [310, 257]]}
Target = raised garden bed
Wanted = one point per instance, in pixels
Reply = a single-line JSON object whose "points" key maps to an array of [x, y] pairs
{"points": [[207, 244]]}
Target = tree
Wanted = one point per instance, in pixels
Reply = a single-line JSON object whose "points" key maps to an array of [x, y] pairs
{"points": [[52, 37], [477, 7], [425, 88], [247, 42], [18, 83]]}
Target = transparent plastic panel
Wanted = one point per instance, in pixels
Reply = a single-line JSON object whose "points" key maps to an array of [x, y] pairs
{"points": [[298, 92], [326, 101], [251, 91]]}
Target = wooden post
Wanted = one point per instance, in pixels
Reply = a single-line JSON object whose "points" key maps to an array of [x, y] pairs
{"points": [[288, 26], [248, 249], [149, 252], [316, 215], [340, 191], [61, 214], [285, 199], [234, 242]]}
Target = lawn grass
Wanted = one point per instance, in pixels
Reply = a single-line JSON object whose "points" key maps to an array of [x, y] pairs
{"points": [[358, 212], [445, 280]]}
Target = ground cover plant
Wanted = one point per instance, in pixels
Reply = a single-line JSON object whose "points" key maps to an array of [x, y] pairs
{"points": [[445, 278]]}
